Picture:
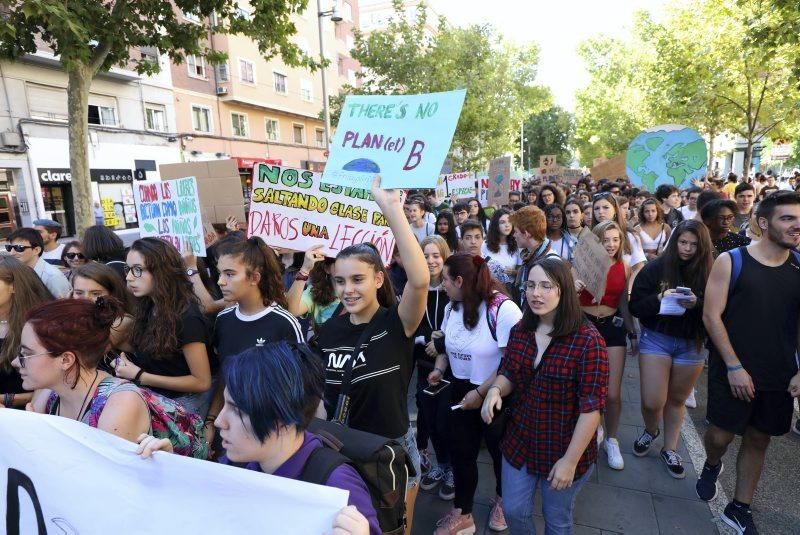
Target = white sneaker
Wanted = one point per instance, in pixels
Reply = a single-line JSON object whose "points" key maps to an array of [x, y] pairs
{"points": [[691, 402], [600, 435], [615, 459]]}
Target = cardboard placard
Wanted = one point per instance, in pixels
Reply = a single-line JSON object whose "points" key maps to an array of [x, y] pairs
{"points": [[219, 187], [515, 184], [547, 160], [499, 180], [170, 210], [591, 262], [293, 209]]}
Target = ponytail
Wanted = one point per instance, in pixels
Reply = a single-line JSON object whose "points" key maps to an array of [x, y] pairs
{"points": [[259, 258], [478, 284]]}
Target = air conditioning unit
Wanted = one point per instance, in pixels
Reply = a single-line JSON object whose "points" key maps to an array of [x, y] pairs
{"points": [[11, 139], [222, 90]]}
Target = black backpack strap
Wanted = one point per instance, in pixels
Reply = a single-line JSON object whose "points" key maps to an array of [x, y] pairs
{"points": [[343, 404], [321, 464]]}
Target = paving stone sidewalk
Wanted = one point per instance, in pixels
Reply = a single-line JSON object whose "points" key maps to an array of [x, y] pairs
{"points": [[642, 499]]}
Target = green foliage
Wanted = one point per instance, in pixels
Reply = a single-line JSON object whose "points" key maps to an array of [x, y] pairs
{"points": [[549, 132], [499, 79]]}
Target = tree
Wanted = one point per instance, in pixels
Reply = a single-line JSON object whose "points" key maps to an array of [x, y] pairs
{"points": [[91, 36], [548, 132], [499, 79]]}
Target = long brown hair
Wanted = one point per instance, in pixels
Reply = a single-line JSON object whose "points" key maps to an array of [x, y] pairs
{"points": [[600, 230], [29, 291], [258, 258], [108, 278], [569, 316], [478, 285], [322, 290], [368, 253], [693, 273], [618, 217], [155, 329]]}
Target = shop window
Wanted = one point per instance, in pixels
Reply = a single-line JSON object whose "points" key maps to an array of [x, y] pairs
{"points": [[273, 130], [155, 117], [239, 121], [201, 119], [299, 134], [102, 115]]}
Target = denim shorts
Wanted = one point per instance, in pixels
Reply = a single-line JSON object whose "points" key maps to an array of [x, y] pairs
{"points": [[682, 351]]}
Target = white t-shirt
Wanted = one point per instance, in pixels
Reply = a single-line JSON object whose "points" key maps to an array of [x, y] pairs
{"points": [[54, 256], [474, 354], [502, 257], [424, 231], [687, 213], [637, 253]]}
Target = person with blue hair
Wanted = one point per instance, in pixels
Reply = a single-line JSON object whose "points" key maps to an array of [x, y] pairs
{"points": [[263, 424]]}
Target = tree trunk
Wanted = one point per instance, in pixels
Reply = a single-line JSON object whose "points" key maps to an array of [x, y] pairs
{"points": [[711, 135], [748, 157], [80, 79]]}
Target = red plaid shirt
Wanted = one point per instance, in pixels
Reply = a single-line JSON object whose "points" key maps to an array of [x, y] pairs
{"points": [[572, 378]]}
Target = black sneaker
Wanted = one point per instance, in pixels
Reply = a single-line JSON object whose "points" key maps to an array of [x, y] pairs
{"points": [[740, 519], [673, 463], [642, 444], [432, 478], [448, 489], [707, 482]]}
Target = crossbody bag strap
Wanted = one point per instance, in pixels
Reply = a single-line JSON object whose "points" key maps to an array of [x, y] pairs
{"points": [[343, 404]]}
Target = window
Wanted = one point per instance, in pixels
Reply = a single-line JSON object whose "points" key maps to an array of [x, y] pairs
{"points": [[47, 102], [201, 119], [155, 117], [103, 115], [279, 82], [192, 17], [242, 13], [351, 42], [347, 11], [302, 44], [247, 71], [197, 66], [149, 54], [273, 130], [239, 121], [222, 72], [320, 138], [306, 91], [299, 134]]}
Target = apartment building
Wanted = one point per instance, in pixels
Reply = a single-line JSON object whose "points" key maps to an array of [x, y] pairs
{"points": [[376, 14], [254, 110], [131, 132]]}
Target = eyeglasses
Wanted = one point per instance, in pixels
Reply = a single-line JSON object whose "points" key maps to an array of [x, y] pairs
{"points": [[73, 256], [544, 286], [725, 218], [22, 358], [18, 248], [136, 270]]}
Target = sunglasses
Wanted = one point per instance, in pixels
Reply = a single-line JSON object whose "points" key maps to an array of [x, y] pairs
{"points": [[18, 248], [73, 256], [603, 195]]}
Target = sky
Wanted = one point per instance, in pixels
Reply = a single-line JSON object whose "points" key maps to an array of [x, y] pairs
{"points": [[557, 27]]}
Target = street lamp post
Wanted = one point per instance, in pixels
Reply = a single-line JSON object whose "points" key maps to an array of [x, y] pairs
{"points": [[335, 17]]}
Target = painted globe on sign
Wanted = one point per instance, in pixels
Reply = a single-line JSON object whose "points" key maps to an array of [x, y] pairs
{"points": [[666, 154]]}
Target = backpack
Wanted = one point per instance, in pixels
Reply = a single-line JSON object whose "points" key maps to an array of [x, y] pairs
{"points": [[736, 265], [492, 310], [168, 419], [381, 462]]}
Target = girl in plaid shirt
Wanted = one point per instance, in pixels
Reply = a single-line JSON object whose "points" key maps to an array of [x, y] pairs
{"points": [[556, 365]]}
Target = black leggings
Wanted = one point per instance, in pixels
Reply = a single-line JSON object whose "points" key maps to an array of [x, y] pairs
{"points": [[433, 418], [466, 430]]}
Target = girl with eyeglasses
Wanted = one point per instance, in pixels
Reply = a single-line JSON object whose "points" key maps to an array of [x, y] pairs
{"points": [[476, 327], [377, 401], [609, 313], [557, 366], [20, 291], [170, 336], [72, 257], [62, 345]]}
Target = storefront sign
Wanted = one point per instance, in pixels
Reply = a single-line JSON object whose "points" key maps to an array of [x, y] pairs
{"points": [[111, 176], [170, 210], [247, 162], [110, 218], [292, 209], [54, 175]]}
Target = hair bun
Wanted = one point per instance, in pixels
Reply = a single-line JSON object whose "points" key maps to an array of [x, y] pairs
{"points": [[107, 311]]}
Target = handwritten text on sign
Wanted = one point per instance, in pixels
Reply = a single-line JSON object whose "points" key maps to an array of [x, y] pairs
{"points": [[404, 138], [515, 184], [292, 209], [170, 210], [591, 262], [456, 185], [57, 470]]}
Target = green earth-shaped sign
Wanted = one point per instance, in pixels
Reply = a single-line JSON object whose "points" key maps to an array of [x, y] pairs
{"points": [[667, 154]]}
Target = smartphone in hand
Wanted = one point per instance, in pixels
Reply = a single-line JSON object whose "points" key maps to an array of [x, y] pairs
{"points": [[433, 390]]}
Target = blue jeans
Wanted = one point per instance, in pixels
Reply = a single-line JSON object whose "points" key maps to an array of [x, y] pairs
{"points": [[519, 490]]}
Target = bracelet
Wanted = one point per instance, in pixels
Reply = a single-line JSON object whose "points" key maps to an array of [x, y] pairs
{"points": [[735, 368], [479, 393], [300, 276], [439, 370], [137, 377], [8, 400]]}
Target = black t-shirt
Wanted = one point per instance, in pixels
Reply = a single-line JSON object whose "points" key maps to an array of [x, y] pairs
{"points": [[10, 380], [731, 240], [191, 328], [761, 320], [235, 332], [379, 390]]}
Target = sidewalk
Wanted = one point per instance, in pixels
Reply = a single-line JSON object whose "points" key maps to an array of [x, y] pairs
{"points": [[642, 499]]}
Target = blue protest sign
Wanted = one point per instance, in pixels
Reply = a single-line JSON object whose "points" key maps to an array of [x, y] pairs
{"points": [[667, 154], [404, 138]]}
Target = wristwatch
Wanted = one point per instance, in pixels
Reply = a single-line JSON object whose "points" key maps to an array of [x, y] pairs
{"points": [[190, 272]]}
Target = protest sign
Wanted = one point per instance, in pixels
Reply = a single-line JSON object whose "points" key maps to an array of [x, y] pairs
{"points": [[669, 154], [456, 185], [170, 210], [219, 186], [60, 475], [591, 262], [547, 160], [499, 179], [571, 176], [110, 218], [293, 209], [515, 184], [404, 138]]}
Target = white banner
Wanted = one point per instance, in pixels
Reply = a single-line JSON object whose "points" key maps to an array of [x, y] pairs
{"points": [[456, 185], [291, 209], [66, 477]]}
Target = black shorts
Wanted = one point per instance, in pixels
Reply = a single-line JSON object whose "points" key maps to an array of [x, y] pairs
{"points": [[613, 335], [770, 412]]}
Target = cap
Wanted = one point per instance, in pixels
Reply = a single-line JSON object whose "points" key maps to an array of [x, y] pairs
{"points": [[46, 223]]}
